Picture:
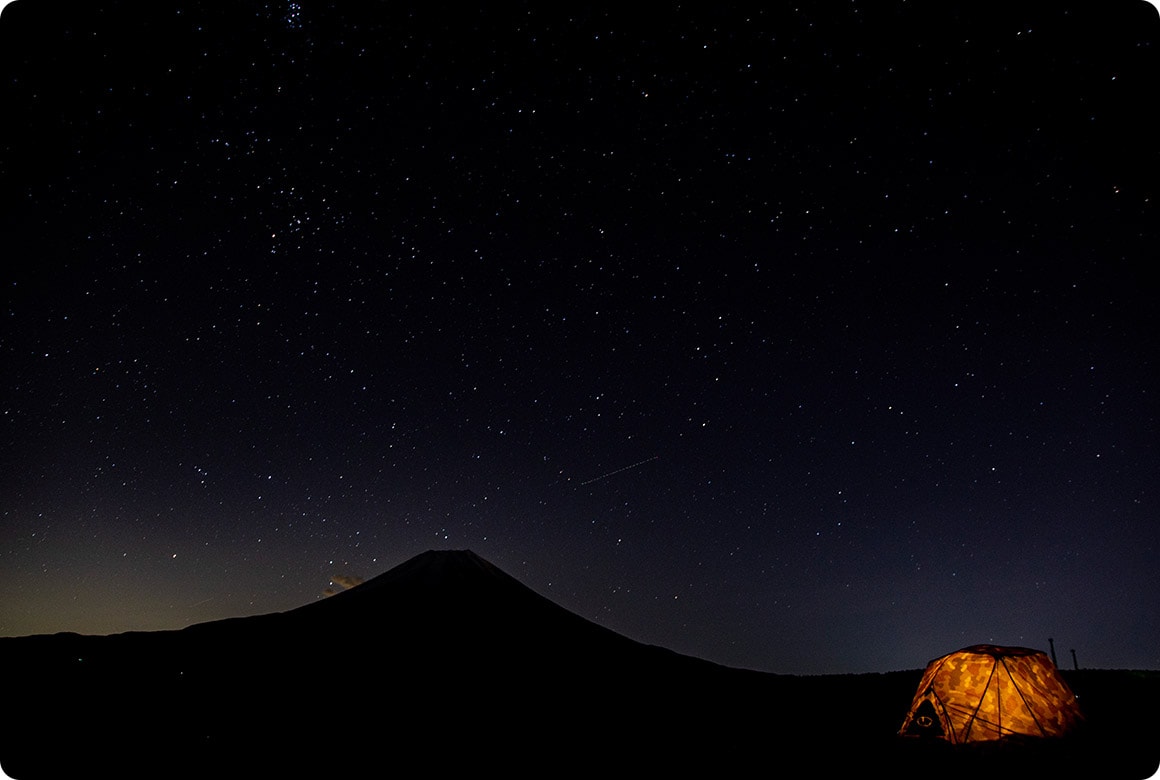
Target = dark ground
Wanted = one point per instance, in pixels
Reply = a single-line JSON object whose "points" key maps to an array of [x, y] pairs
{"points": [[446, 662]]}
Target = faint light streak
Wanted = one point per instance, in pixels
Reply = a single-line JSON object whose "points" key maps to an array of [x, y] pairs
{"points": [[618, 471]]}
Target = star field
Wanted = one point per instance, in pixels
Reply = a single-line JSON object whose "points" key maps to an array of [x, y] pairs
{"points": [[796, 339]]}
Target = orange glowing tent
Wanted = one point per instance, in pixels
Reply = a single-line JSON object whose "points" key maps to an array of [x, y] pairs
{"points": [[988, 692]]}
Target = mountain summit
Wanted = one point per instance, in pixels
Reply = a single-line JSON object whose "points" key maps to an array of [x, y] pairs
{"points": [[446, 576]]}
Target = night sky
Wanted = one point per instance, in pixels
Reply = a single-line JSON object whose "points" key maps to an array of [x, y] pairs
{"points": [[815, 338]]}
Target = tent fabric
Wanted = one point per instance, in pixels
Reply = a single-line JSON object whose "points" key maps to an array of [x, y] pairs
{"points": [[987, 692]]}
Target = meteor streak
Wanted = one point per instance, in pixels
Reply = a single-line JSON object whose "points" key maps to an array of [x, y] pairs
{"points": [[626, 468]]}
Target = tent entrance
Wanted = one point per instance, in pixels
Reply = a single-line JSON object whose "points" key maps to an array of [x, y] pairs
{"points": [[926, 722]]}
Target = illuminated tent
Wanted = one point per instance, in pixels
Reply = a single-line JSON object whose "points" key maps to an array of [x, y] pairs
{"points": [[987, 692]]}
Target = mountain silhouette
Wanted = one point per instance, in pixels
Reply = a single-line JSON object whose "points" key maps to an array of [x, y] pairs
{"points": [[444, 655]]}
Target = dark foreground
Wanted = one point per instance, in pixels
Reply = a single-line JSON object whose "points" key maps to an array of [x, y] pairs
{"points": [[450, 665]]}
